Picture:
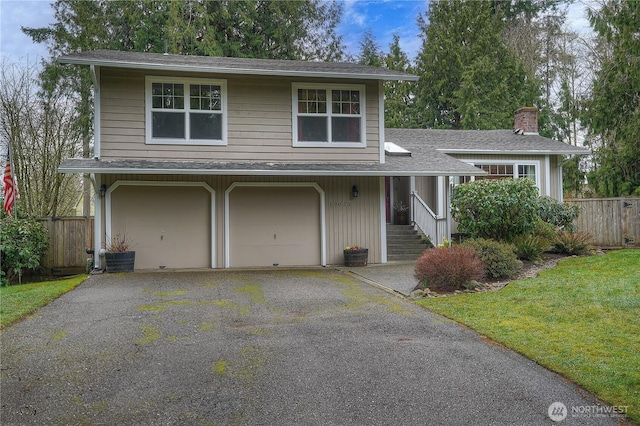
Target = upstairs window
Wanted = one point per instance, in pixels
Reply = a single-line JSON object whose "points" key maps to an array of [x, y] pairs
{"points": [[325, 115], [185, 111]]}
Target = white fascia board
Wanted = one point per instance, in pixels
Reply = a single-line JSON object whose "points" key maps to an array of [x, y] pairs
{"points": [[266, 172], [241, 71], [509, 152]]}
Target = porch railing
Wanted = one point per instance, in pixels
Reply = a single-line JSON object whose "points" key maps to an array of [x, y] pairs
{"points": [[431, 225]]}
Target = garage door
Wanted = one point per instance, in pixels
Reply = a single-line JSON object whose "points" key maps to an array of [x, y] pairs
{"points": [[169, 225], [270, 226]]}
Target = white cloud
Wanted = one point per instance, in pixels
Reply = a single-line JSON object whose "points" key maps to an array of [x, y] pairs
{"points": [[15, 46]]}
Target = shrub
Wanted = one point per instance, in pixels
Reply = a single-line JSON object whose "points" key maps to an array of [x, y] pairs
{"points": [[560, 215], [531, 247], [448, 268], [499, 259], [22, 244], [546, 231], [496, 208], [573, 243]]}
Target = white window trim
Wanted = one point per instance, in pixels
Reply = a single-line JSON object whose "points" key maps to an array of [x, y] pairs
{"points": [[329, 88], [515, 164], [149, 80]]}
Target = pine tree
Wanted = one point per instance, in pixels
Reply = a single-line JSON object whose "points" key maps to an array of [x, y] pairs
{"points": [[399, 105], [469, 78], [613, 112]]}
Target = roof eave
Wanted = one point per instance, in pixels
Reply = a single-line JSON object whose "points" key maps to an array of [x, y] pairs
{"points": [[245, 172], [510, 152], [238, 71]]}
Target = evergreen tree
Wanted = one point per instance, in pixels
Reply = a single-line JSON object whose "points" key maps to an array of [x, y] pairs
{"points": [[613, 112], [469, 78], [370, 53], [399, 105]]}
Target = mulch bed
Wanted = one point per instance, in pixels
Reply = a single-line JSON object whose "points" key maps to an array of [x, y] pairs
{"points": [[529, 270]]}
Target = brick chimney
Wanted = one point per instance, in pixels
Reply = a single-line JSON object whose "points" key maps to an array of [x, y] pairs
{"points": [[526, 120]]}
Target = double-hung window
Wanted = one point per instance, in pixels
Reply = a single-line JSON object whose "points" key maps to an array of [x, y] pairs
{"points": [[328, 115], [186, 111]]}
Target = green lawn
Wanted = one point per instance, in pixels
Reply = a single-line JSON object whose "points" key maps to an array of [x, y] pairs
{"points": [[17, 301], [581, 319]]}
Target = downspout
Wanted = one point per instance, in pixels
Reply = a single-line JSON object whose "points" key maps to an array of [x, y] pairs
{"points": [[382, 193], [383, 220], [448, 189], [97, 178], [95, 77], [381, 120]]}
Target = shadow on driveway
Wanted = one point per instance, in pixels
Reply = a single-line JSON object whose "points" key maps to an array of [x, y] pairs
{"points": [[286, 347]]}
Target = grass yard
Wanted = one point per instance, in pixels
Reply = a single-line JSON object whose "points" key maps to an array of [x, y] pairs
{"points": [[18, 301], [580, 319]]}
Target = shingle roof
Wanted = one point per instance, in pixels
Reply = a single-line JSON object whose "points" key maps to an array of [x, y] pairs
{"points": [[246, 66], [426, 163], [478, 142]]}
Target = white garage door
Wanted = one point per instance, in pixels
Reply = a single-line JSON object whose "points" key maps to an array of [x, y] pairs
{"points": [[271, 226], [169, 225]]}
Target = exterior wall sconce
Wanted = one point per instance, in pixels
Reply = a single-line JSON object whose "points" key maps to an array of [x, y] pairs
{"points": [[103, 190], [354, 191]]}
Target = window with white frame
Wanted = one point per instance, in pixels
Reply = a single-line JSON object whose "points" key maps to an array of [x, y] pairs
{"points": [[501, 170], [186, 111], [326, 115]]}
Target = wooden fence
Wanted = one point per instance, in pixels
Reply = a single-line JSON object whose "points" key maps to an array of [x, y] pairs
{"points": [[69, 237], [614, 222]]}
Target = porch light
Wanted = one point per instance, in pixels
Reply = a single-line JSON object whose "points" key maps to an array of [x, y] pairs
{"points": [[354, 191], [103, 190]]}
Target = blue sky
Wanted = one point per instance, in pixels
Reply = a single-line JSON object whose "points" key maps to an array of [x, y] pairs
{"points": [[382, 17]]}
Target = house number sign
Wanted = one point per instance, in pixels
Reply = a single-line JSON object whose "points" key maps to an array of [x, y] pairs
{"points": [[339, 203]]}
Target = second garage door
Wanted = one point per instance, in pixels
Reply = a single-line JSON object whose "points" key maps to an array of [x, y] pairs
{"points": [[274, 226]]}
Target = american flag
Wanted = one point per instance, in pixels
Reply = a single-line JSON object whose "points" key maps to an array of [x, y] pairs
{"points": [[9, 186]]}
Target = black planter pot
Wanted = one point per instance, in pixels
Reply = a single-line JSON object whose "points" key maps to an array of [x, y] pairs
{"points": [[120, 261], [356, 257]]}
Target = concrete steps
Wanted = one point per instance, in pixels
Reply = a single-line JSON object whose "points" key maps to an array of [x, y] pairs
{"points": [[403, 243]]}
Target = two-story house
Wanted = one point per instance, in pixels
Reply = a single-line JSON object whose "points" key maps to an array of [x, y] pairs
{"points": [[210, 162]]}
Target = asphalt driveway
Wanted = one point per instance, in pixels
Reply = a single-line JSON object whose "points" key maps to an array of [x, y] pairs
{"points": [[294, 347]]}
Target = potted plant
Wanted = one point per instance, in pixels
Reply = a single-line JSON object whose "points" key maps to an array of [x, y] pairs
{"points": [[401, 212], [355, 255], [118, 255]]}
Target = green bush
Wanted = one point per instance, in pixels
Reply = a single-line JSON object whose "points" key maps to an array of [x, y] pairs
{"points": [[22, 244], [531, 247], [443, 269], [496, 208], [499, 259], [545, 231], [560, 215], [573, 243]]}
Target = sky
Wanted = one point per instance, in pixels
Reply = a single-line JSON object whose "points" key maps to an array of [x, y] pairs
{"points": [[382, 17]]}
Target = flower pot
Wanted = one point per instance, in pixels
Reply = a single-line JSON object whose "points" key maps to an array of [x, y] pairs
{"points": [[401, 218], [120, 261], [356, 257]]}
